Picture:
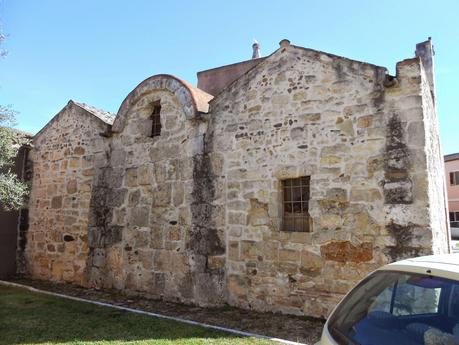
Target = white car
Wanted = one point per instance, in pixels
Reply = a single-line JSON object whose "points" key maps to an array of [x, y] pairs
{"points": [[410, 302]]}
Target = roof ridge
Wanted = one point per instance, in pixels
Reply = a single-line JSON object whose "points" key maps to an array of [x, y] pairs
{"points": [[336, 56], [102, 114], [451, 157]]}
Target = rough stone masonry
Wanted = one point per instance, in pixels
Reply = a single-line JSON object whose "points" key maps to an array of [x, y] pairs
{"points": [[274, 185]]}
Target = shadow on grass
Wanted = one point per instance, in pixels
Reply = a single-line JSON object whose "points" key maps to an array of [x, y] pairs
{"points": [[31, 318]]}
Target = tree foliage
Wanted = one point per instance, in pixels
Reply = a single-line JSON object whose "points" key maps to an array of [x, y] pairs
{"points": [[12, 190]]}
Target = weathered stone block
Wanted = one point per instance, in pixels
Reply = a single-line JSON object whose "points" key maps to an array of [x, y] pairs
{"points": [[248, 250], [162, 260], [79, 150], [330, 160], [114, 259], [117, 197], [174, 234], [98, 258], [113, 176], [162, 195], [134, 198], [375, 164], [346, 127], [367, 195], [57, 270], [233, 250], [118, 158], [139, 216], [178, 194], [270, 250], [157, 238], [74, 163], [237, 218], [288, 267], [289, 255], [365, 121], [130, 179], [344, 251], [216, 262], [258, 213], [142, 238], [237, 285], [399, 192], [72, 186], [56, 202], [146, 258], [69, 220], [310, 117], [331, 221], [144, 175], [337, 194], [311, 263], [88, 172]]}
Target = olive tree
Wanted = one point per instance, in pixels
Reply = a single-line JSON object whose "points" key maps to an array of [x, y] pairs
{"points": [[12, 190]]}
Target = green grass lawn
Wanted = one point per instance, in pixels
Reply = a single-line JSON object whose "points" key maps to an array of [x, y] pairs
{"points": [[32, 318]]}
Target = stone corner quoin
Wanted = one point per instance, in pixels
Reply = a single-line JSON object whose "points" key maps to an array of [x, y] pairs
{"points": [[200, 198]]}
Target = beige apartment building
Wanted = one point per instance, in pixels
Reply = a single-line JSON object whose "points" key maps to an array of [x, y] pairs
{"points": [[452, 184]]}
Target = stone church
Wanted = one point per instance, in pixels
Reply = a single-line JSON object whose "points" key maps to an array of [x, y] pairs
{"points": [[275, 184]]}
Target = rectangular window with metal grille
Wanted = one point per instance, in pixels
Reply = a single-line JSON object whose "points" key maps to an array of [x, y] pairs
{"points": [[296, 204], [156, 120]]}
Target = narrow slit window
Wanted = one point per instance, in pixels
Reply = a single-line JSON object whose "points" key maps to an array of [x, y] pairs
{"points": [[156, 120], [296, 204]]}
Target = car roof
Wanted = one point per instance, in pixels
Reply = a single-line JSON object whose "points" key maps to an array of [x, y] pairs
{"points": [[446, 265]]}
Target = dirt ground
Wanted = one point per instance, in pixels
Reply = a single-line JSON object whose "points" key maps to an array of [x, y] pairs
{"points": [[295, 328]]}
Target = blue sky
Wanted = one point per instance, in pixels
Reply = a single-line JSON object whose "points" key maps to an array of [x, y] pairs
{"points": [[97, 51]]}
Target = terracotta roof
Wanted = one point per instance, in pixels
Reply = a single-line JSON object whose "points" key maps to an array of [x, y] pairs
{"points": [[105, 116], [201, 98], [451, 157], [192, 99]]}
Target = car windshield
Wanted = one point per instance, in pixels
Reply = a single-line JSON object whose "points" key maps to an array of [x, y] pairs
{"points": [[398, 308]]}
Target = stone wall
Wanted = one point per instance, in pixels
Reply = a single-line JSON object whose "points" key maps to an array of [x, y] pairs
{"points": [[161, 233], [195, 214], [64, 156], [357, 133], [437, 192], [414, 170]]}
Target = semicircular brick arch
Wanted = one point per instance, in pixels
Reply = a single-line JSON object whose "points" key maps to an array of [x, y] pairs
{"points": [[192, 99]]}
